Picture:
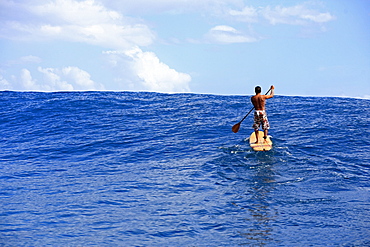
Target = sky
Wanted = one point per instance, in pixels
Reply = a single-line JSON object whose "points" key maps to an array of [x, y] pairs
{"points": [[227, 47]]}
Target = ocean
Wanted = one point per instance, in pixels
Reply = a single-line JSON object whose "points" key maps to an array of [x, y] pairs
{"points": [[151, 169]]}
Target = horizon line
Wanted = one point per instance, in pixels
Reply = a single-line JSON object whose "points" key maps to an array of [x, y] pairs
{"points": [[365, 97]]}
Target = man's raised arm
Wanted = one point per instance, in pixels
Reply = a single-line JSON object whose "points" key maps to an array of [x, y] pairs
{"points": [[272, 93]]}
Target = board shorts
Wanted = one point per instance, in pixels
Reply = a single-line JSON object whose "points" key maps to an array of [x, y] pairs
{"points": [[260, 117]]}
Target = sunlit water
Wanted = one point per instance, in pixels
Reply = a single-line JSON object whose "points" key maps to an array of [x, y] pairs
{"points": [[148, 169]]}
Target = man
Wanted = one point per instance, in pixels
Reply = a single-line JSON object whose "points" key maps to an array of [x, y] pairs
{"points": [[260, 117]]}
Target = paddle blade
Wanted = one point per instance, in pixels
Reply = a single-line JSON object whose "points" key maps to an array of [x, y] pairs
{"points": [[236, 128]]}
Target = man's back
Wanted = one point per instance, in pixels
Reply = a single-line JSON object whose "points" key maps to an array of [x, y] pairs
{"points": [[259, 102]]}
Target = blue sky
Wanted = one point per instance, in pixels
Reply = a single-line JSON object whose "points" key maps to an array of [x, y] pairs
{"points": [[220, 47]]}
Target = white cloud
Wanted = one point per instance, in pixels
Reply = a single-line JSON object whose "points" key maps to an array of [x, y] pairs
{"points": [[51, 79], [30, 59], [295, 15], [247, 14], [77, 21], [68, 79], [144, 71], [27, 82], [171, 6], [80, 78], [302, 14], [85, 13], [4, 84], [226, 35]]}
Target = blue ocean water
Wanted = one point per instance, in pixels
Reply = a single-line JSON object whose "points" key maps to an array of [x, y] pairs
{"points": [[150, 169]]}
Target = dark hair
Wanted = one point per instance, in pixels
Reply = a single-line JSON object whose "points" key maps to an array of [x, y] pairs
{"points": [[257, 89]]}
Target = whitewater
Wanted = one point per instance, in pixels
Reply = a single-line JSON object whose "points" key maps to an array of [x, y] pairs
{"points": [[151, 169]]}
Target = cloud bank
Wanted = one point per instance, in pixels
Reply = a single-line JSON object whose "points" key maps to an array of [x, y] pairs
{"points": [[301, 14], [111, 25], [75, 21], [65, 79], [147, 72], [88, 22]]}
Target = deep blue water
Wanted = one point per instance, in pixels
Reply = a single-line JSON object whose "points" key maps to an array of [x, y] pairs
{"points": [[149, 169]]}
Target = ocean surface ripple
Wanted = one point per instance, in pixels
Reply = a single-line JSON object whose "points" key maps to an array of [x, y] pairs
{"points": [[150, 169]]}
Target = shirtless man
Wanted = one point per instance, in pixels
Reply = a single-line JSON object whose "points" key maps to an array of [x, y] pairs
{"points": [[260, 117]]}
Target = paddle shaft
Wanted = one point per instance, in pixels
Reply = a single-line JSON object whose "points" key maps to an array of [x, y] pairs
{"points": [[251, 109], [246, 115]]}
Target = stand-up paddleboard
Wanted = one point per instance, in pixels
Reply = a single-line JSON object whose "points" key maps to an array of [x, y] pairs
{"points": [[262, 145]]}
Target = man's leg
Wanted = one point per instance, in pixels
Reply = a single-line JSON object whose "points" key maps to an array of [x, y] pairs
{"points": [[265, 133], [265, 126], [256, 133]]}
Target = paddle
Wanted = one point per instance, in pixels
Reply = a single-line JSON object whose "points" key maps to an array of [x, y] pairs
{"points": [[236, 127]]}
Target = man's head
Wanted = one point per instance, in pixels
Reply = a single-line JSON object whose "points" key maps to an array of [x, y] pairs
{"points": [[257, 89]]}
